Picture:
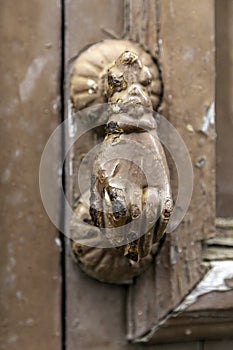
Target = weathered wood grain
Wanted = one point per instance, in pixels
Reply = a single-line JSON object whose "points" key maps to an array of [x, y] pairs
{"points": [[189, 331], [216, 345], [217, 253], [172, 346], [142, 24], [186, 56], [224, 106], [90, 21], [30, 259], [95, 311], [187, 63]]}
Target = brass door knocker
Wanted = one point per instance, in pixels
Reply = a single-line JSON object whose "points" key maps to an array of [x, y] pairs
{"points": [[130, 199]]}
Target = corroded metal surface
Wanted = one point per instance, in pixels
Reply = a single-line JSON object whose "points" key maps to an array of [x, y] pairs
{"points": [[90, 67], [120, 192]]}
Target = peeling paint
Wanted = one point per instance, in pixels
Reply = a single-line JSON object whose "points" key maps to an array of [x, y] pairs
{"points": [[173, 254], [17, 153], [56, 105], [48, 45], [200, 162], [208, 119], [58, 243], [72, 128], [214, 280], [190, 128]]}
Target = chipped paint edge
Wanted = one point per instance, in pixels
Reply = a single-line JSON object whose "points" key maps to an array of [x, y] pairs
{"points": [[213, 281], [208, 119]]}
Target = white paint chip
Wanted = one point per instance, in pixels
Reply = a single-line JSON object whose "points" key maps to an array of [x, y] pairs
{"points": [[208, 119], [214, 280], [72, 127], [58, 242]]}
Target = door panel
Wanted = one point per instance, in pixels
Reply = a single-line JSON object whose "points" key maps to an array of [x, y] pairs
{"points": [[44, 306], [224, 106], [30, 256], [186, 58]]}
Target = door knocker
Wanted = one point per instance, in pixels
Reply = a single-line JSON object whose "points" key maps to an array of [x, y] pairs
{"points": [[129, 199]]}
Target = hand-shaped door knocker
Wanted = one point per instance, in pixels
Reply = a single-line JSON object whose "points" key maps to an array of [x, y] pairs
{"points": [[130, 200]]}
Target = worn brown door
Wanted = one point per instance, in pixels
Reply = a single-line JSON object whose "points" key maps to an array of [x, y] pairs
{"points": [[185, 298]]}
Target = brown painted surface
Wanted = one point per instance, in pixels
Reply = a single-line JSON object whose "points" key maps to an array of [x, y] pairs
{"points": [[91, 304], [189, 331], [29, 258], [90, 21], [142, 22], [174, 346], [218, 301], [218, 345], [186, 56], [224, 106], [187, 61]]}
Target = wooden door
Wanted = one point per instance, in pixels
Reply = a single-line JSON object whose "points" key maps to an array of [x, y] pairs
{"points": [[46, 301]]}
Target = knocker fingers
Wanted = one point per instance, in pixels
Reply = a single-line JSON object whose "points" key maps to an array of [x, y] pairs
{"points": [[166, 211]]}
